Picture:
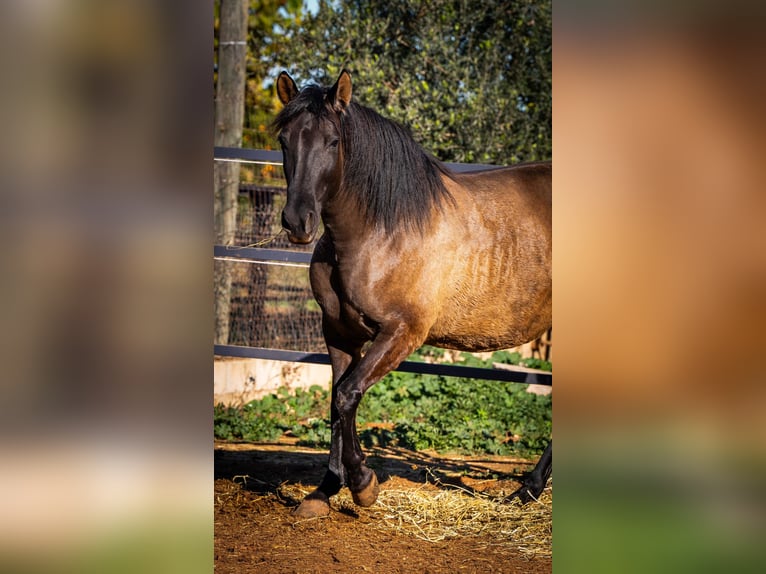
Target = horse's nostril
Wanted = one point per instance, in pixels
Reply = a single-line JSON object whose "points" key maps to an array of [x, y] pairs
{"points": [[284, 222], [308, 226]]}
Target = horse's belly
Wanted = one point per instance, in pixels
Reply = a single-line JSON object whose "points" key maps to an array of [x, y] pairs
{"points": [[497, 294], [491, 334], [472, 343]]}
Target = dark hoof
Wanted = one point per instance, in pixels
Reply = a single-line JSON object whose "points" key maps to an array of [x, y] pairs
{"points": [[527, 493], [369, 494], [312, 508], [522, 494]]}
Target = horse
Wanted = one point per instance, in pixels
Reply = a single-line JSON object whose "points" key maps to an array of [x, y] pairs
{"points": [[412, 254]]}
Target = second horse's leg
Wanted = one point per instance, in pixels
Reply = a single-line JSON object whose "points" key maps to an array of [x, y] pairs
{"points": [[534, 483]]}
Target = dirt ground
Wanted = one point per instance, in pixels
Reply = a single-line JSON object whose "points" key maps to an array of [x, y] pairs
{"points": [[257, 486]]}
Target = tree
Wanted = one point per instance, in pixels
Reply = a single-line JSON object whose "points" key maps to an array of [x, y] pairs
{"points": [[269, 28], [472, 80], [229, 110], [245, 40]]}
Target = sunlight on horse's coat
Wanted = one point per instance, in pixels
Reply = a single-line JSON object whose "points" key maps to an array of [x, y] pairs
{"points": [[412, 254]]}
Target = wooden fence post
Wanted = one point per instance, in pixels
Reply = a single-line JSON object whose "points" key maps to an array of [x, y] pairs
{"points": [[229, 114]]}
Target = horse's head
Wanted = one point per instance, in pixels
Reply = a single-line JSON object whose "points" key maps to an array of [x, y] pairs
{"points": [[310, 136]]}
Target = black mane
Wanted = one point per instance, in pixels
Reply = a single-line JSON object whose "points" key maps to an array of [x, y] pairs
{"points": [[395, 181]]}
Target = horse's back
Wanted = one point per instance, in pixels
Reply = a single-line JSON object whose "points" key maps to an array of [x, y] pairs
{"points": [[529, 181]]}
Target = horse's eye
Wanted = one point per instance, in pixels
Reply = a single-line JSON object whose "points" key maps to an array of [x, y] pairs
{"points": [[334, 143]]}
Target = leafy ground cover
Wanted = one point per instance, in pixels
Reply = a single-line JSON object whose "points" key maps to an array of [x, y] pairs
{"points": [[417, 412]]}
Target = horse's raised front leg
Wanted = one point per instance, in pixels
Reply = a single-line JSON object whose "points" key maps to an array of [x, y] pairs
{"points": [[317, 503], [389, 348], [534, 484]]}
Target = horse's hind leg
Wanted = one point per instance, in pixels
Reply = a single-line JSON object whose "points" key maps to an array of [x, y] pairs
{"points": [[534, 484]]}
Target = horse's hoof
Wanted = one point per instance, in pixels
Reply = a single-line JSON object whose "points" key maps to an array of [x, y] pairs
{"points": [[312, 508], [526, 493], [522, 495], [369, 494]]}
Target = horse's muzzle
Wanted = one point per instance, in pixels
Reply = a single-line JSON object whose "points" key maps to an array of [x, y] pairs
{"points": [[300, 229]]}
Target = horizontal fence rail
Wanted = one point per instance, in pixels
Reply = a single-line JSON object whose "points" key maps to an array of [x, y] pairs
{"points": [[250, 155], [504, 375], [260, 255], [510, 374], [275, 157]]}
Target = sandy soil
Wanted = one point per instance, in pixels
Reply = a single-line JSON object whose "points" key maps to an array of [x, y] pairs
{"points": [[256, 487]]}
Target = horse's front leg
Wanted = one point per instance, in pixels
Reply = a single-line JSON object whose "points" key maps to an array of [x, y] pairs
{"points": [[389, 348], [317, 503]]}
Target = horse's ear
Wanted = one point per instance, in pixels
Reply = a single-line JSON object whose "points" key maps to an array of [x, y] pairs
{"points": [[286, 88], [340, 94]]}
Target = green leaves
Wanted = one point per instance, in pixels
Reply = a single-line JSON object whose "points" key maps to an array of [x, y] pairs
{"points": [[473, 80], [410, 411], [267, 419], [462, 415]]}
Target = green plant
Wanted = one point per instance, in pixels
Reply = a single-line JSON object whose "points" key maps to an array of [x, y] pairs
{"points": [[269, 418], [461, 415], [446, 414]]}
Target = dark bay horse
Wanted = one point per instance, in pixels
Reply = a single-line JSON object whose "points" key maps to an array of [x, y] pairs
{"points": [[412, 254]]}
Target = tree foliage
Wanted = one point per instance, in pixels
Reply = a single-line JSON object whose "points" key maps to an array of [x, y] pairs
{"points": [[471, 79], [269, 23]]}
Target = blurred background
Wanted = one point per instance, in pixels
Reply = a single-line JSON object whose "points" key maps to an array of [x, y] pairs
{"points": [[106, 274], [660, 269], [660, 266]]}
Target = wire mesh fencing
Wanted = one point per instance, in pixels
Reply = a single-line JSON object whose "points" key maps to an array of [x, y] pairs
{"points": [[271, 304]]}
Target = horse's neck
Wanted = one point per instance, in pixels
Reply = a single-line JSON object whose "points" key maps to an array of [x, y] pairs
{"points": [[345, 223]]}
